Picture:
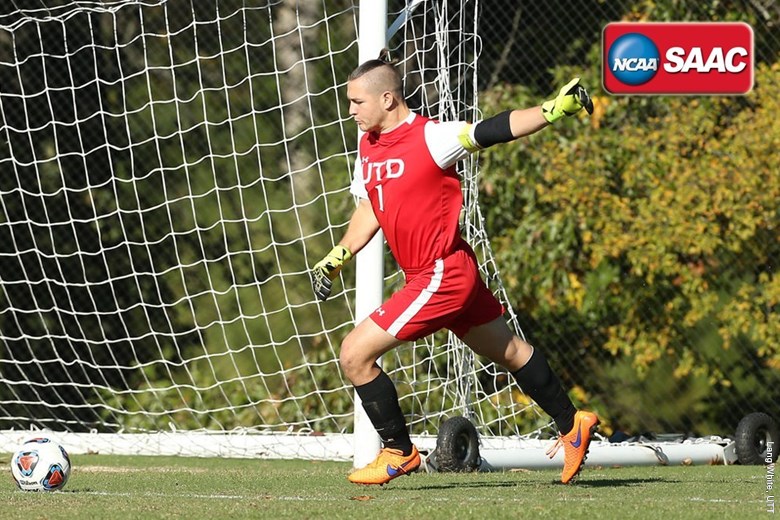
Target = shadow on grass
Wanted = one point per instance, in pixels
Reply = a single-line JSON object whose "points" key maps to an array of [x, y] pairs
{"points": [[482, 484], [594, 483], [620, 482]]}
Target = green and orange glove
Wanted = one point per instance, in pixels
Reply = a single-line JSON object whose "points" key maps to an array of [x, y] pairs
{"points": [[571, 99], [326, 270]]}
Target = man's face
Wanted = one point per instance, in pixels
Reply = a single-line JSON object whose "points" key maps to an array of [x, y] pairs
{"points": [[366, 106]]}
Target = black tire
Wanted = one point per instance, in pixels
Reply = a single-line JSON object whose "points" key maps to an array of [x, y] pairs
{"points": [[754, 433], [457, 446]]}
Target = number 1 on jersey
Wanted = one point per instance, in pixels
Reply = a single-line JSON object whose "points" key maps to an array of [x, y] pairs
{"points": [[381, 197]]}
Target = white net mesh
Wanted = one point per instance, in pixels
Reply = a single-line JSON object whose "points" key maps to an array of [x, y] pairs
{"points": [[169, 172]]}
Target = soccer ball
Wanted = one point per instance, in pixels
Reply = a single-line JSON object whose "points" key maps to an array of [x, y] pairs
{"points": [[40, 464]]}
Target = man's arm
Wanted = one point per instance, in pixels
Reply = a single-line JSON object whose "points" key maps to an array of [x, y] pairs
{"points": [[514, 124], [526, 121], [363, 225]]}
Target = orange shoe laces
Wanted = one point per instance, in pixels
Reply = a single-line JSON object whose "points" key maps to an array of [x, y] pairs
{"points": [[552, 450]]}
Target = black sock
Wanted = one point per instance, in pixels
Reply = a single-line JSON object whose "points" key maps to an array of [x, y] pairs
{"points": [[380, 401], [541, 384]]}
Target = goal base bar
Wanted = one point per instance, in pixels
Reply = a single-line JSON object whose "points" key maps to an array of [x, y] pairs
{"points": [[497, 453], [531, 455], [234, 444]]}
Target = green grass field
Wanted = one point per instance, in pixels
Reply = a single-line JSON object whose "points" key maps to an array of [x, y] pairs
{"points": [[171, 487]]}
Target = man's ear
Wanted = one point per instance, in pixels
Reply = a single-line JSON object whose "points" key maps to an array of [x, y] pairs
{"points": [[388, 100]]}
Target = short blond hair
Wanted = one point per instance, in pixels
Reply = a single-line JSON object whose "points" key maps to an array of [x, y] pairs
{"points": [[382, 75]]}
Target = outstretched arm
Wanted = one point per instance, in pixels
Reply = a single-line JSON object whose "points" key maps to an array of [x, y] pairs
{"points": [[363, 225], [526, 121], [514, 124]]}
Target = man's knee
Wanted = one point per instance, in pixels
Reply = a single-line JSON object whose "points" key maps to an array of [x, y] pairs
{"points": [[518, 353], [346, 356], [351, 359], [361, 349]]}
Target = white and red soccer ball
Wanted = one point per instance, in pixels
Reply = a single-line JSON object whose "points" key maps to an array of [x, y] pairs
{"points": [[40, 464]]}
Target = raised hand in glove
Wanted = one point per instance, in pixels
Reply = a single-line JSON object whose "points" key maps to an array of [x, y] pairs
{"points": [[571, 99], [326, 270]]}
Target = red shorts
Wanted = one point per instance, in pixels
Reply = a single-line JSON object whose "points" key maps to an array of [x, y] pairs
{"points": [[450, 295]]}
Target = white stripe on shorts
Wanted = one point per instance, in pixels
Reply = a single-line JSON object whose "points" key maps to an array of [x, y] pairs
{"points": [[420, 301]]}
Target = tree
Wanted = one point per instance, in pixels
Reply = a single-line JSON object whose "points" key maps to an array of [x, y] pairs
{"points": [[644, 237]]}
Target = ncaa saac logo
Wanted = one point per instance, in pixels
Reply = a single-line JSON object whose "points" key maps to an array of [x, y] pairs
{"points": [[677, 58], [634, 59]]}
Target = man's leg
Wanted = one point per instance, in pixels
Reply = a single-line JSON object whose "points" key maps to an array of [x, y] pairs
{"points": [[532, 372], [360, 351], [495, 341]]}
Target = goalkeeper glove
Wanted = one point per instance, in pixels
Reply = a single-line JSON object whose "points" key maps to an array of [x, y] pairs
{"points": [[570, 100], [327, 269]]}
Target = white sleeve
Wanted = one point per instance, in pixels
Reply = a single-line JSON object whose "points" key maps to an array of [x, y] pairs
{"points": [[445, 141], [357, 187]]}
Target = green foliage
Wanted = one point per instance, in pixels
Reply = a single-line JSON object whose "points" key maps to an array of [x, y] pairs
{"points": [[652, 228], [203, 394]]}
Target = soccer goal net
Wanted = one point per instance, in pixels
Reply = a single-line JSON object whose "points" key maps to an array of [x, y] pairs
{"points": [[168, 173]]}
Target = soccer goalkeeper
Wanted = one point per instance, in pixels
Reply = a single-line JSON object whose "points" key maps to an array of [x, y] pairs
{"points": [[407, 185]]}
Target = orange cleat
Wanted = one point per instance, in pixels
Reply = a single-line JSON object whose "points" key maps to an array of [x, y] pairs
{"points": [[575, 445], [388, 465]]}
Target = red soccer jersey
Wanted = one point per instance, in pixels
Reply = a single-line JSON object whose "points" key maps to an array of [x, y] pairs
{"points": [[416, 201]]}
